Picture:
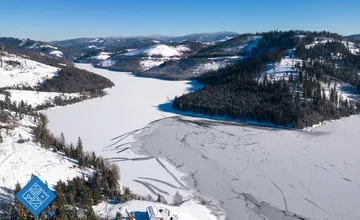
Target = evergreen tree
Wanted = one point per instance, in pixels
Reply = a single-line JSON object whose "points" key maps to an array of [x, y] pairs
{"points": [[86, 201], [97, 188], [118, 216], [80, 152], [20, 211], [177, 199], [72, 193], [60, 200]]}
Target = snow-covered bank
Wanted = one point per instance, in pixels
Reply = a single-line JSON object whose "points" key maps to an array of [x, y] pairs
{"points": [[35, 98], [189, 210]]}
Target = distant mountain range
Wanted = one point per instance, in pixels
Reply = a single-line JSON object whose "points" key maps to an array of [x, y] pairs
{"points": [[261, 69], [355, 36]]}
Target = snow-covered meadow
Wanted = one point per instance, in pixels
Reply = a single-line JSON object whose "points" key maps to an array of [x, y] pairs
{"points": [[19, 71], [35, 98], [161, 50]]}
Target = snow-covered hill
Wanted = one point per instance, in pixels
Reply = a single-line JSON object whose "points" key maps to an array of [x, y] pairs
{"points": [[41, 47], [20, 157], [161, 50], [351, 46], [20, 71]]}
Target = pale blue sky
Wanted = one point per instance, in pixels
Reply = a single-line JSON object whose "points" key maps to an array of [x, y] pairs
{"points": [[64, 19]]}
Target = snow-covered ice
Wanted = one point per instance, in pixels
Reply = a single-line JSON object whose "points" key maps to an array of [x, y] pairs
{"points": [[254, 170]]}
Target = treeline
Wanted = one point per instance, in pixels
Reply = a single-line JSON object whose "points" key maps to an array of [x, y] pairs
{"points": [[59, 101], [240, 92], [248, 69], [73, 80], [271, 103], [75, 198], [22, 107], [68, 80]]}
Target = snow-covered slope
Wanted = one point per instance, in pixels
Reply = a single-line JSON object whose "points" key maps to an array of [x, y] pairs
{"points": [[189, 210], [35, 98], [19, 160], [161, 50], [352, 47], [225, 39], [102, 56], [283, 69], [149, 63], [57, 53], [19, 71]]}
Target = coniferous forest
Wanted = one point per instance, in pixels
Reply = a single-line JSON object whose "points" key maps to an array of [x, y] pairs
{"points": [[240, 92]]}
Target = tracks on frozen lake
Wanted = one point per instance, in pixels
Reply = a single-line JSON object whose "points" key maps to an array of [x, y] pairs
{"points": [[263, 172]]}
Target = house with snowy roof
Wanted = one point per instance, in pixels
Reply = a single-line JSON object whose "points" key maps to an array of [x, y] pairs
{"points": [[154, 213]]}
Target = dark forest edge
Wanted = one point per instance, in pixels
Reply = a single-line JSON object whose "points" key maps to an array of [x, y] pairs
{"points": [[241, 93], [68, 80]]}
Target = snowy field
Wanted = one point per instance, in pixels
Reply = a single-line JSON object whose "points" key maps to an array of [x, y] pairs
{"points": [[34, 98], [19, 71]]}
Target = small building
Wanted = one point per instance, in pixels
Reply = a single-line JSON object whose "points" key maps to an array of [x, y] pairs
{"points": [[154, 213]]}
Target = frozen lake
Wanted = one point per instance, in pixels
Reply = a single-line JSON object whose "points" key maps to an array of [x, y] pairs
{"points": [[131, 104], [254, 173], [265, 173]]}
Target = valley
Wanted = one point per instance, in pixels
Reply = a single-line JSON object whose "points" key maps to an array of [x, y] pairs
{"points": [[249, 172], [253, 126]]}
